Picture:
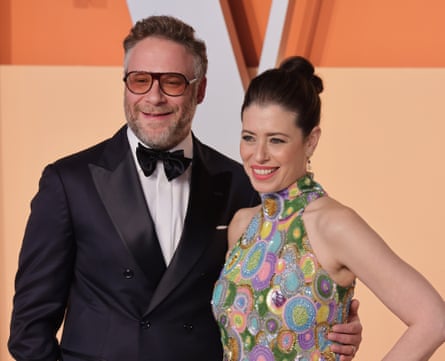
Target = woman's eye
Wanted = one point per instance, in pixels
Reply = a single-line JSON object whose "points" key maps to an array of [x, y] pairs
{"points": [[276, 140], [247, 138]]}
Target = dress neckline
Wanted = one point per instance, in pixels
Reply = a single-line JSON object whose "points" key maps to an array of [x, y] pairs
{"points": [[303, 191]]}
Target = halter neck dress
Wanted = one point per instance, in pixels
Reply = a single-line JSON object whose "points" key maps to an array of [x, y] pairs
{"points": [[273, 300]]}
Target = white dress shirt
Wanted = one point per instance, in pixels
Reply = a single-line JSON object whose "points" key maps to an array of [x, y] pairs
{"points": [[167, 201]]}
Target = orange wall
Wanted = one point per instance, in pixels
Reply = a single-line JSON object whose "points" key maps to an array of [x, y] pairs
{"points": [[54, 32], [345, 33]]}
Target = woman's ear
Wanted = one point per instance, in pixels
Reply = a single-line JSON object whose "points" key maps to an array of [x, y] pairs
{"points": [[312, 141]]}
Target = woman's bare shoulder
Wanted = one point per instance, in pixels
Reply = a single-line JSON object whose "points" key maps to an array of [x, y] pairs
{"points": [[329, 210], [239, 223], [246, 212], [331, 218]]}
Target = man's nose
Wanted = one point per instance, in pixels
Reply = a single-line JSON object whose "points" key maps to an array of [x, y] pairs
{"points": [[155, 94]]}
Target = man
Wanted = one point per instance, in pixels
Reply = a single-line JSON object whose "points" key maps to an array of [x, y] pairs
{"points": [[124, 245]]}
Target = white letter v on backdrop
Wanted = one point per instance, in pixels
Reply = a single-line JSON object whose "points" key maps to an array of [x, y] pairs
{"points": [[217, 121]]}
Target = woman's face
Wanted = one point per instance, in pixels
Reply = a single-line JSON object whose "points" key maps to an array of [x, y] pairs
{"points": [[273, 149]]}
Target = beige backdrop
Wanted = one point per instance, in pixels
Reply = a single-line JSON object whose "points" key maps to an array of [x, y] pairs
{"points": [[381, 153]]}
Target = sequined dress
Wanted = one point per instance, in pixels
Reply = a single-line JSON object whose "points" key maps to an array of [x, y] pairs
{"points": [[273, 300]]}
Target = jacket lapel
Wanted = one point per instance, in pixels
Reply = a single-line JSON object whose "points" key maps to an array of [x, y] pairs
{"points": [[207, 199], [118, 185]]}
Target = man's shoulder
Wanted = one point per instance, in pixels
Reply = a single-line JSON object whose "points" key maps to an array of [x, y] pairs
{"points": [[211, 156], [94, 152], [224, 169]]}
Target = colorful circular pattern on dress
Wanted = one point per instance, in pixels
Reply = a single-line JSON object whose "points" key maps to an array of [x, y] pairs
{"points": [[223, 319], [345, 307], [275, 300], [308, 265], [234, 345], [238, 320], [288, 213], [286, 340], [323, 286], [243, 300], [254, 259], [289, 254], [292, 280], [280, 266], [267, 230], [272, 323], [306, 340], [272, 206], [296, 233], [232, 260], [264, 275], [261, 338], [307, 291], [315, 356], [299, 314], [293, 191], [276, 242], [261, 353], [229, 294], [285, 222], [252, 231], [275, 297], [322, 313], [332, 311], [321, 340], [326, 312], [253, 323], [220, 292]]}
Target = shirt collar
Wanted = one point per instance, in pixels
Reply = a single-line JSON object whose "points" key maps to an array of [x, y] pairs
{"points": [[186, 144]]}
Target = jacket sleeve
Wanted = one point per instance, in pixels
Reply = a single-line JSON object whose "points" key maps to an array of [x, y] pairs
{"points": [[44, 273]]}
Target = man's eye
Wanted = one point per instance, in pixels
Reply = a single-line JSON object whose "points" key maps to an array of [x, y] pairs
{"points": [[141, 80], [173, 82]]}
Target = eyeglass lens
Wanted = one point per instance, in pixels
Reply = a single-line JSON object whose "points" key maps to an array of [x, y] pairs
{"points": [[172, 84]]}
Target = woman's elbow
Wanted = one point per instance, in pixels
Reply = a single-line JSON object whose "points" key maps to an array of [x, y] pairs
{"points": [[439, 321], [442, 327]]}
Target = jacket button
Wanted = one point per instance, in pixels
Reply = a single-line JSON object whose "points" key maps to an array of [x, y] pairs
{"points": [[145, 324], [188, 327], [128, 273]]}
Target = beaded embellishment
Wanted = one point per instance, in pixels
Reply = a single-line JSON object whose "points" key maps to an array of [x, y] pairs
{"points": [[273, 300]]}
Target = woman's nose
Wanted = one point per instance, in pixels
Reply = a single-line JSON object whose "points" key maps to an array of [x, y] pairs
{"points": [[261, 152]]}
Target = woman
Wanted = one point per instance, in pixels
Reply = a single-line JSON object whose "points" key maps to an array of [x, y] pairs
{"points": [[290, 273]]}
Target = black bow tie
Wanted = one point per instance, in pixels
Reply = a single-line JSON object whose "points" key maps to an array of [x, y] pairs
{"points": [[174, 162]]}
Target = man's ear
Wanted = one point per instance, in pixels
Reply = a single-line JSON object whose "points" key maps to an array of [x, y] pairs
{"points": [[312, 141], [201, 90]]}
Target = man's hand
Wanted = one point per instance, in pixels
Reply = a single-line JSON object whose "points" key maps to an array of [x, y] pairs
{"points": [[348, 336]]}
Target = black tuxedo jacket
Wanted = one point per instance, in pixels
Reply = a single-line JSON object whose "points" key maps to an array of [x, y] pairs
{"points": [[90, 258]]}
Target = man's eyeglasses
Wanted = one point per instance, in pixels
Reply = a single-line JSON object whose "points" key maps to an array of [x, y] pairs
{"points": [[172, 84]]}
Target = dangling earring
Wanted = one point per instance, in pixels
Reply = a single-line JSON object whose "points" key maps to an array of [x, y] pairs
{"points": [[309, 168]]}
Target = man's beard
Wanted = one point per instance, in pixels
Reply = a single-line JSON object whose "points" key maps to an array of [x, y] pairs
{"points": [[170, 136]]}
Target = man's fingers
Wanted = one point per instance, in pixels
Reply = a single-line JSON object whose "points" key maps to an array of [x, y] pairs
{"points": [[347, 337], [347, 352], [353, 312]]}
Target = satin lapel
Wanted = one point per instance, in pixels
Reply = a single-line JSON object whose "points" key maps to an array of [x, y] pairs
{"points": [[207, 198], [121, 193]]}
